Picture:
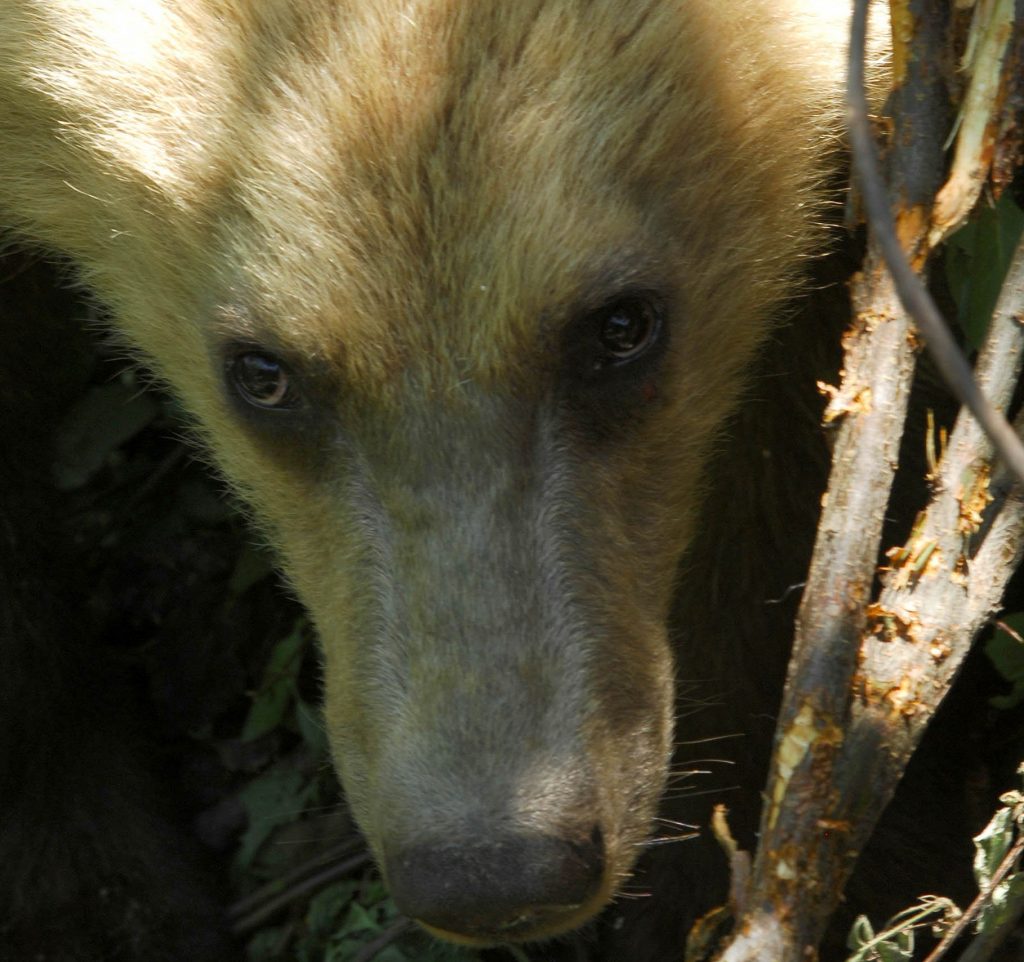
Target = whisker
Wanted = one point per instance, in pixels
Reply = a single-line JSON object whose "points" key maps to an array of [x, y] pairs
{"points": [[683, 776], [632, 895], [710, 738], [694, 706], [710, 761], [657, 841], [672, 823], [683, 793], [316, 839]]}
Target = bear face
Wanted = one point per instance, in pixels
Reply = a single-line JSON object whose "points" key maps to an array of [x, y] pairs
{"points": [[459, 297]]}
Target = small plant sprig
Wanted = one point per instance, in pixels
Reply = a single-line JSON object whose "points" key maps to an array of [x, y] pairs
{"points": [[995, 912]]}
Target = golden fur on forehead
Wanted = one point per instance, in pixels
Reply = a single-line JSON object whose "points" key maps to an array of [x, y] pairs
{"points": [[382, 182], [432, 180], [415, 193]]}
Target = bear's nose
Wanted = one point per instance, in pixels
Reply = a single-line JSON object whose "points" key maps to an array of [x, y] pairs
{"points": [[499, 889]]}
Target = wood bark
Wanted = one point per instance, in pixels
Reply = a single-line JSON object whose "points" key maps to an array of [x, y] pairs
{"points": [[869, 669]]}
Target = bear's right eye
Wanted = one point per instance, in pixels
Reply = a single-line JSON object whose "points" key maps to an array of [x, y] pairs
{"points": [[261, 380]]}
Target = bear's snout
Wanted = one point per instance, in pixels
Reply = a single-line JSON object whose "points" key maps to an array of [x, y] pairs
{"points": [[503, 888]]}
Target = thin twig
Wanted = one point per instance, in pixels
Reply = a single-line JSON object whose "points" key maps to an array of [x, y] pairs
{"points": [[396, 930], [984, 945], [271, 890], [255, 919], [957, 929]]}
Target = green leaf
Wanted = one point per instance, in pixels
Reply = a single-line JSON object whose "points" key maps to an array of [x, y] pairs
{"points": [[977, 258], [394, 953], [268, 945], [1006, 653], [272, 699], [310, 722], [327, 908], [895, 943], [861, 933], [253, 565], [991, 846], [271, 800], [453, 953], [101, 420], [900, 949], [358, 919]]}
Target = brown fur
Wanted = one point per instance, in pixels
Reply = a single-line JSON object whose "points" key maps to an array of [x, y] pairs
{"points": [[411, 203]]}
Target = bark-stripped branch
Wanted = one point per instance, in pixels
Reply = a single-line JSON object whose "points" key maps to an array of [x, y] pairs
{"points": [[947, 355], [986, 111], [866, 676]]}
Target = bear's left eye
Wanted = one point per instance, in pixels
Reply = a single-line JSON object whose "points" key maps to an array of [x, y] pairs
{"points": [[626, 329], [261, 380]]}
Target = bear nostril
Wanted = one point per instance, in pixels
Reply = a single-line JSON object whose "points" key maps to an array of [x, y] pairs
{"points": [[495, 888]]}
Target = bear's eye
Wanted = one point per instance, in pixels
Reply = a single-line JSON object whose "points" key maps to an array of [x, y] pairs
{"points": [[626, 329], [261, 380]]}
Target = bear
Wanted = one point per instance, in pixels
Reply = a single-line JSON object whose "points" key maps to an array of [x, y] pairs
{"points": [[464, 301]]}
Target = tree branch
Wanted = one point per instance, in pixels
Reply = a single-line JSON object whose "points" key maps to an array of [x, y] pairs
{"points": [[947, 355], [866, 677]]}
